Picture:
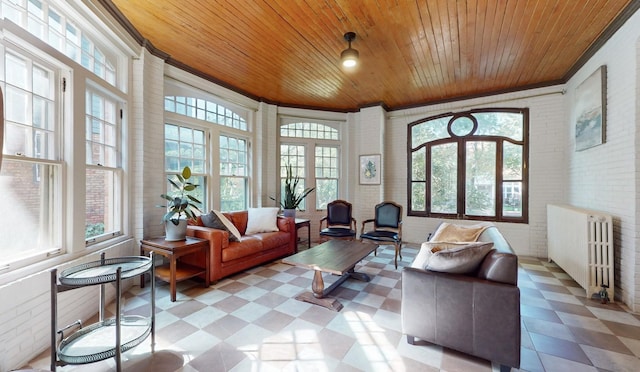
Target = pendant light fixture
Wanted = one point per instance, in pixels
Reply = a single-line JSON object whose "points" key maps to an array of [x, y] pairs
{"points": [[349, 56]]}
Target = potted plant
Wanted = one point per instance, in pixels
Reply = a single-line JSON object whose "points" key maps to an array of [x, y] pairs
{"points": [[292, 195], [180, 207]]}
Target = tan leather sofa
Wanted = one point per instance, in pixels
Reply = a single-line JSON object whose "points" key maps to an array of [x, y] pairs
{"points": [[230, 257], [478, 313]]}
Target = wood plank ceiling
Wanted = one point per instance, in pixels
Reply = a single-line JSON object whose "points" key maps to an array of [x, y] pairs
{"points": [[411, 52]]}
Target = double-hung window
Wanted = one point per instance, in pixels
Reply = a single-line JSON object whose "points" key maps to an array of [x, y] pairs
{"points": [[43, 143], [31, 175], [104, 166], [234, 173], [470, 165]]}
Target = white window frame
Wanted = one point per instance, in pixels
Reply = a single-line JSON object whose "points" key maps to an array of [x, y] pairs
{"points": [[310, 145], [195, 173], [54, 222], [245, 177], [70, 222], [115, 169], [213, 132]]}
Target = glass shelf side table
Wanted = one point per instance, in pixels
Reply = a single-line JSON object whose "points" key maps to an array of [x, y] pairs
{"points": [[107, 338]]}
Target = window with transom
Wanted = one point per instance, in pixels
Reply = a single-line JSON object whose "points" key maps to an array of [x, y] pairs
{"points": [[192, 123], [313, 151]]}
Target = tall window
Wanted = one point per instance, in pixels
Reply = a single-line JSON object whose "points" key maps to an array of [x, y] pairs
{"points": [[43, 90], [187, 143], [326, 175], [234, 173], [30, 179], [186, 147], [104, 171], [470, 165], [315, 147], [294, 156]]}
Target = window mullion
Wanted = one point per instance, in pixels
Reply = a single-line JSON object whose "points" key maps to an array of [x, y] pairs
{"points": [[499, 179], [462, 178]]}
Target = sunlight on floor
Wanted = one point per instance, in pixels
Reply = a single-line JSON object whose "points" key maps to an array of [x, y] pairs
{"points": [[302, 349]]}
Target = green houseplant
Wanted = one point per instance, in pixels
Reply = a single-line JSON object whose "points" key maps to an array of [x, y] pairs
{"points": [[180, 206], [292, 195]]}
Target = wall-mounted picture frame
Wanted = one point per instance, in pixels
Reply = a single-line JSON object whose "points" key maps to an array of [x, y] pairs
{"points": [[370, 169], [590, 110]]}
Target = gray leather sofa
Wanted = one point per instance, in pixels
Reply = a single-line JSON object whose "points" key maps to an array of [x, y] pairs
{"points": [[478, 314]]}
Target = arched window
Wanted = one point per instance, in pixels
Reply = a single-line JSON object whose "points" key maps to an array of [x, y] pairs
{"points": [[312, 149], [191, 140], [204, 110], [470, 165]]}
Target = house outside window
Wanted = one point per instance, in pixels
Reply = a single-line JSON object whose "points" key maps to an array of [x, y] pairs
{"points": [[470, 165], [31, 175], [41, 132], [104, 166]]}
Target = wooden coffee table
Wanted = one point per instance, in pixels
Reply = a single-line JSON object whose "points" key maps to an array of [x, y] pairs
{"points": [[174, 272], [335, 256]]}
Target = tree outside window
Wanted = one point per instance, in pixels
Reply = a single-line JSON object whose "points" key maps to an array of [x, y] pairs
{"points": [[469, 165], [315, 147], [234, 173]]}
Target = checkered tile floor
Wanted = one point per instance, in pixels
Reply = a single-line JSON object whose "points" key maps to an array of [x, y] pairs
{"points": [[251, 322]]}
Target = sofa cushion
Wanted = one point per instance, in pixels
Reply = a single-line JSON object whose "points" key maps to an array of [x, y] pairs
{"points": [[217, 220], [455, 258], [249, 245], [273, 239], [262, 220], [425, 252]]}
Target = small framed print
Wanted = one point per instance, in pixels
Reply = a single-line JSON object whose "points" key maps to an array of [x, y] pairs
{"points": [[370, 169]]}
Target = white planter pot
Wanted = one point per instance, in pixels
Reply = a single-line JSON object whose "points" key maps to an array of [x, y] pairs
{"points": [[175, 233]]}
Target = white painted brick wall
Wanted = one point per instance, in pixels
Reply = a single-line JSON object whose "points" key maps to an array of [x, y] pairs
{"points": [[547, 162], [25, 311], [606, 177], [148, 97], [368, 139]]}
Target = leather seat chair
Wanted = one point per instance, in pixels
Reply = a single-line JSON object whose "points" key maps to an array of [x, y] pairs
{"points": [[338, 224], [387, 227]]}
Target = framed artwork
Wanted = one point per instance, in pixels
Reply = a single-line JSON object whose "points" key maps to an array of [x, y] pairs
{"points": [[590, 110], [370, 169]]}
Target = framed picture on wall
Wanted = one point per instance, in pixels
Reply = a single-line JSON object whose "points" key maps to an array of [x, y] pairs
{"points": [[590, 110], [370, 169]]}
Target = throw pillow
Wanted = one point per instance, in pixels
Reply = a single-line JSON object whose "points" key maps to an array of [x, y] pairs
{"points": [[448, 232], [456, 259], [262, 220], [217, 220], [427, 249]]}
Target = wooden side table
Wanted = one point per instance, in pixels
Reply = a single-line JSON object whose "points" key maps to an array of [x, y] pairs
{"points": [[172, 250], [301, 222]]}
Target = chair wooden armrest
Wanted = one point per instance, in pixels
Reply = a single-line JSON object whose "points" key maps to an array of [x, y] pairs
{"points": [[322, 220], [371, 220]]}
